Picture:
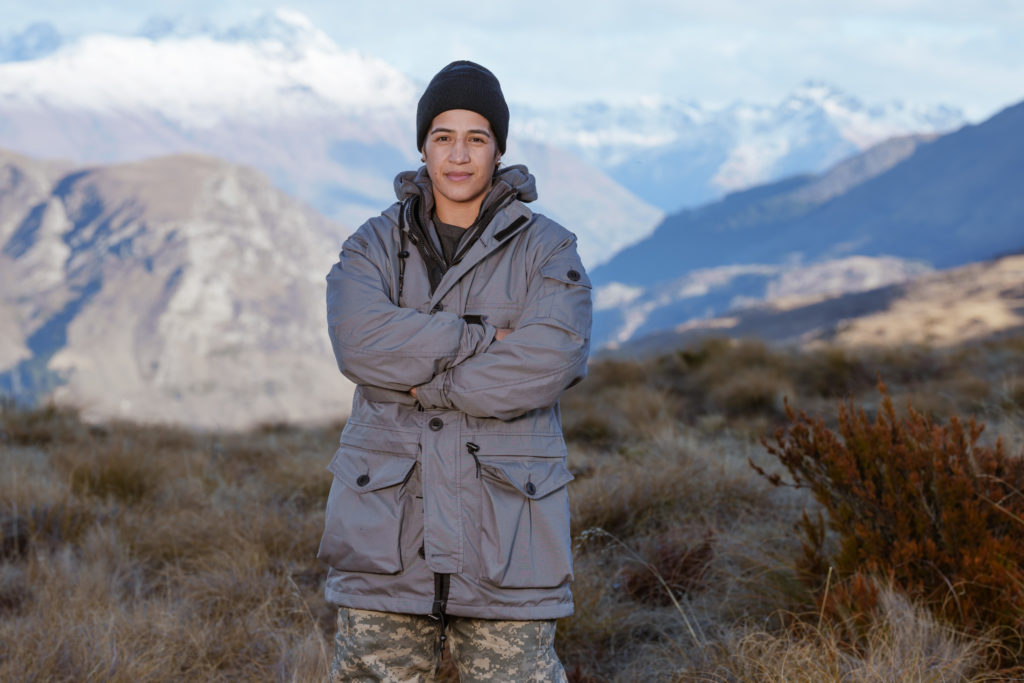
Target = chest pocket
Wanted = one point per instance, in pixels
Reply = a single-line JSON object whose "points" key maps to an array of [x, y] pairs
{"points": [[496, 296]]}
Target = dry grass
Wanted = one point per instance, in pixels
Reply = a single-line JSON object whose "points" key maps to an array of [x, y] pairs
{"points": [[154, 554], [134, 553]]}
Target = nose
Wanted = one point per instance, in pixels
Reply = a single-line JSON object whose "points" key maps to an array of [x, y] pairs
{"points": [[459, 152]]}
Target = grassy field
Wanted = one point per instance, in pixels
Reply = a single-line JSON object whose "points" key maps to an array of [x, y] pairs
{"points": [[141, 553]]}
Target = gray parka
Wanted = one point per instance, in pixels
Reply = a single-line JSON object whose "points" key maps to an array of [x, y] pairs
{"points": [[469, 483]]}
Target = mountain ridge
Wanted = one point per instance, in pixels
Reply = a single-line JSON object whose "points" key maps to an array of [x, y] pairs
{"points": [[332, 126], [937, 201], [182, 289]]}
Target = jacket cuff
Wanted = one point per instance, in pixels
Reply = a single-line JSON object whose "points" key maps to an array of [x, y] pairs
{"points": [[432, 395], [476, 337]]}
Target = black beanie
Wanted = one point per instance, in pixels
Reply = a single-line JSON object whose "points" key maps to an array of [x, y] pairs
{"points": [[463, 85]]}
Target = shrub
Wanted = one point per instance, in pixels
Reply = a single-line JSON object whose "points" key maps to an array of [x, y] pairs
{"points": [[832, 372], [753, 391], [675, 565], [924, 504]]}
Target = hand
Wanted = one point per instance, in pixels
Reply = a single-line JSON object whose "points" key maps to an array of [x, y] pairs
{"points": [[502, 332], [412, 392]]}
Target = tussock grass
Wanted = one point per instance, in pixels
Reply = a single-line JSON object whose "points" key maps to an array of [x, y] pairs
{"points": [[138, 553], [142, 553]]}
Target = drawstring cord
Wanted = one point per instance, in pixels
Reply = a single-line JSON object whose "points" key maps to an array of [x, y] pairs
{"points": [[473, 449]]}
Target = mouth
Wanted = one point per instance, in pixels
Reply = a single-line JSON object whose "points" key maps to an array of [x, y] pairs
{"points": [[456, 176]]}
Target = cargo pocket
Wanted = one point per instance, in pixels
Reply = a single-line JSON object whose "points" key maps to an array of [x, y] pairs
{"points": [[525, 541], [365, 511]]}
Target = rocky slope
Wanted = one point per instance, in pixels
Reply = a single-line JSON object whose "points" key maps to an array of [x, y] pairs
{"points": [[182, 289]]}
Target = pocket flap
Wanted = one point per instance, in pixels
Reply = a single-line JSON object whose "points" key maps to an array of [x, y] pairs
{"points": [[533, 478], [567, 270], [506, 445], [366, 471], [370, 438]]}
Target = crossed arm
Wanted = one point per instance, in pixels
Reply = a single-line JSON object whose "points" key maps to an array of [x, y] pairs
{"points": [[499, 334], [447, 363]]}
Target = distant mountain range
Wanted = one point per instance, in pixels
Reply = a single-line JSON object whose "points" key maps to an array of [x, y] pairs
{"points": [[144, 276], [905, 205], [332, 126], [680, 154], [180, 289], [968, 304]]}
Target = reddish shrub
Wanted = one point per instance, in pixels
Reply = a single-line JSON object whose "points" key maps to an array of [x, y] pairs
{"points": [[924, 505]]}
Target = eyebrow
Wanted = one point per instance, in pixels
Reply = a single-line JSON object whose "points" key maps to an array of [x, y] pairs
{"points": [[477, 131]]}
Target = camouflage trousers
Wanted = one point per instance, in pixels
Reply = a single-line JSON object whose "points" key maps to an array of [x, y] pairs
{"points": [[380, 646]]}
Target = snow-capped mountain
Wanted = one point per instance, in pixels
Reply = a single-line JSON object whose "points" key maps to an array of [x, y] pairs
{"points": [[328, 125], [676, 153]]}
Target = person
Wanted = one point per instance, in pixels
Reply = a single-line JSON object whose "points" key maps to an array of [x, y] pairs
{"points": [[461, 316]]}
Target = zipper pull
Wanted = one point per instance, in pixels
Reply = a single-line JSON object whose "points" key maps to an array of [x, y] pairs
{"points": [[472, 448]]}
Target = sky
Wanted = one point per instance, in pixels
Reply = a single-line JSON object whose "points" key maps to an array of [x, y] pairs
{"points": [[545, 52]]}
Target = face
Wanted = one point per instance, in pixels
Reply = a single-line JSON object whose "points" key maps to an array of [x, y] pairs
{"points": [[461, 153]]}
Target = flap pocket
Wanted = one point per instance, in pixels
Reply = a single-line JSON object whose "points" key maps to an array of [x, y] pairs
{"points": [[363, 470], [568, 270], [524, 522], [535, 479]]}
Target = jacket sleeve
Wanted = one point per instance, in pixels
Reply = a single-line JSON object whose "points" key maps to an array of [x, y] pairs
{"points": [[541, 358], [380, 344]]}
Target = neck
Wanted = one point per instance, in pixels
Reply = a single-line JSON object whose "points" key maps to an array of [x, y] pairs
{"points": [[458, 214]]}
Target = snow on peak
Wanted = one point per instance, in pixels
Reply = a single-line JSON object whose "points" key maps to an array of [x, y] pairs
{"points": [[276, 66], [285, 27]]}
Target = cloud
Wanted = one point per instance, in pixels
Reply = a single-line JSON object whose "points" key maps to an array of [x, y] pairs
{"points": [[966, 54]]}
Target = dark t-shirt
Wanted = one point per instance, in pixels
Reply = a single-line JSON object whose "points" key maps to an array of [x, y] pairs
{"points": [[450, 236]]}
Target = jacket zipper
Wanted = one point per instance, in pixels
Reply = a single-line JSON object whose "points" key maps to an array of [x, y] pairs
{"points": [[485, 220]]}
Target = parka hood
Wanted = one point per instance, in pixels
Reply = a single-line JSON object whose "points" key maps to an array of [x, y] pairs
{"points": [[517, 178]]}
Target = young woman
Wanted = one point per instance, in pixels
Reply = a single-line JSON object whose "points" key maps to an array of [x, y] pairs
{"points": [[461, 316]]}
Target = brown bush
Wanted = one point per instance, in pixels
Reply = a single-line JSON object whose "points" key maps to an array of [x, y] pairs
{"points": [[751, 391], [38, 426], [925, 504], [831, 372], [675, 565]]}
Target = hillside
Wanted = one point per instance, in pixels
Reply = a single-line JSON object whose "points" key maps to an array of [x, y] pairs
{"points": [[935, 202], [178, 289], [973, 303]]}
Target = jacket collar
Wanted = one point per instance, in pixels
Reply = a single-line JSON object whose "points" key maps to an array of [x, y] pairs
{"points": [[512, 218], [515, 181]]}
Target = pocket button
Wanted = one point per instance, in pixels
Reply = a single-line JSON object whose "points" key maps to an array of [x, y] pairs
{"points": [[436, 424], [363, 480], [530, 488]]}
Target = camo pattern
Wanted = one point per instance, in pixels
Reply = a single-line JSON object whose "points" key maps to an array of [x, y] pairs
{"points": [[372, 647]]}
